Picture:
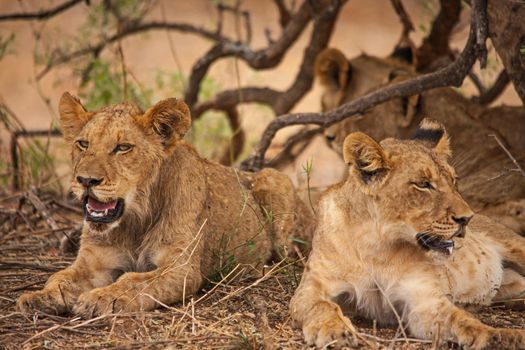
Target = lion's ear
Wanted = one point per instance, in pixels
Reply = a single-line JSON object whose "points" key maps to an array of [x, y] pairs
{"points": [[170, 119], [73, 116], [433, 135], [365, 156], [333, 69]]}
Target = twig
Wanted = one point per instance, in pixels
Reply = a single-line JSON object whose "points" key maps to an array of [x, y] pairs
{"points": [[128, 31], [489, 95], [42, 209], [408, 26], [436, 44], [14, 149], [518, 167], [453, 74], [280, 101], [41, 15], [477, 82]]}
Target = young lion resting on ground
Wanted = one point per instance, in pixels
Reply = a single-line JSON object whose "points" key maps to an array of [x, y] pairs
{"points": [[158, 217], [396, 235]]}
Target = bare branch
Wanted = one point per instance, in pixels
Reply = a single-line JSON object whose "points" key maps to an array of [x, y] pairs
{"points": [[518, 167], [261, 59], [505, 17], [280, 101], [41, 15], [131, 29], [451, 75], [435, 44], [284, 14], [488, 96], [474, 78], [238, 138], [408, 26], [290, 151]]}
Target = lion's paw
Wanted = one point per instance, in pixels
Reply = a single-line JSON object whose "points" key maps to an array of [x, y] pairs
{"points": [[102, 301], [507, 339], [492, 338], [332, 332], [46, 301]]}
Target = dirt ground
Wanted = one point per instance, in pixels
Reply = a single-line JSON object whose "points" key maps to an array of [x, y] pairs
{"points": [[241, 312]]}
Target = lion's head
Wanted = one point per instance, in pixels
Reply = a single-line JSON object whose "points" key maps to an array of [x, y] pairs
{"points": [[410, 186], [116, 153], [345, 79]]}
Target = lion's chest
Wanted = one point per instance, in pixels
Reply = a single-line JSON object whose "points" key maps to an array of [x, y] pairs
{"points": [[474, 273], [142, 261]]}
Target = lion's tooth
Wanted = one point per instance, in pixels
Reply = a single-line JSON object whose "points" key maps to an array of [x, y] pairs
{"points": [[450, 249], [106, 212]]}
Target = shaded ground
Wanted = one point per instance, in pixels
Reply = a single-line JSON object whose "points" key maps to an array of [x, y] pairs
{"points": [[244, 313]]}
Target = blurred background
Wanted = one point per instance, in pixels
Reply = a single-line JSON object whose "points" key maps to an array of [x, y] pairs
{"points": [[40, 59]]}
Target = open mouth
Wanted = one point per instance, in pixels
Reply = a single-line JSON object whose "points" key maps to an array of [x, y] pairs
{"points": [[105, 212], [429, 241]]}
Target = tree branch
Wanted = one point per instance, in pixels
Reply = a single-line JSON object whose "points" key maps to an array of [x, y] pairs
{"points": [[280, 101], [42, 15], [506, 17], [451, 75], [284, 14], [408, 26], [435, 44], [128, 30], [268, 57], [487, 96]]}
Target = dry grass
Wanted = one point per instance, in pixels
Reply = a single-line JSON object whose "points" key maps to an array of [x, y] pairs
{"points": [[248, 312]]}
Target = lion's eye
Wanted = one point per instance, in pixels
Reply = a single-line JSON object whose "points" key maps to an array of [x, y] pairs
{"points": [[424, 185], [123, 148], [82, 144]]}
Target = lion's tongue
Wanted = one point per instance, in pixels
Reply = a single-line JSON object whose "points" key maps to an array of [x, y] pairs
{"points": [[100, 206]]}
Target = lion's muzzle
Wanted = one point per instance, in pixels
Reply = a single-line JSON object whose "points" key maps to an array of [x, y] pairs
{"points": [[102, 212]]}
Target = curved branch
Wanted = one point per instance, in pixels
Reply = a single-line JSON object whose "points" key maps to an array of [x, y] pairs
{"points": [[435, 44], [408, 26], [488, 96], [280, 101], [42, 15], [128, 31], [451, 75], [237, 141], [261, 59], [230, 98]]}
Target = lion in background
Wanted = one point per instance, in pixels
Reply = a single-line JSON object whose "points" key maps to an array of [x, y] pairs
{"points": [[485, 176], [159, 220], [397, 242]]}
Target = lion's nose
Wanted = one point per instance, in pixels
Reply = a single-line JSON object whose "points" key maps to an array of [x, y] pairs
{"points": [[462, 220], [88, 181]]}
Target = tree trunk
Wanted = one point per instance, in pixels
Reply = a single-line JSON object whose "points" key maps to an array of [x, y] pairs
{"points": [[507, 31]]}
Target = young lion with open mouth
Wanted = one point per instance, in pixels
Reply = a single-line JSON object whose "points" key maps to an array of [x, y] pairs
{"points": [[158, 218], [398, 240]]}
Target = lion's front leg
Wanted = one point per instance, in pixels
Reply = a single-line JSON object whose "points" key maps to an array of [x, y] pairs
{"points": [[58, 296], [136, 291], [431, 312], [61, 291], [321, 319]]}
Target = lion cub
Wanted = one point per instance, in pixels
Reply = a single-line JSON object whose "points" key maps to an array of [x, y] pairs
{"points": [[159, 219], [399, 240]]}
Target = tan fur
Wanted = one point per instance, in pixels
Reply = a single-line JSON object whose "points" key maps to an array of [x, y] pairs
{"points": [[366, 251], [185, 219], [480, 162]]}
